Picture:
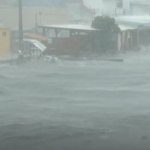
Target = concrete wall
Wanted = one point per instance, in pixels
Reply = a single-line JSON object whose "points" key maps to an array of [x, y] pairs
{"points": [[9, 16]]}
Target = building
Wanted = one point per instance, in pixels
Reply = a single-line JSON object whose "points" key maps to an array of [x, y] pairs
{"points": [[33, 16], [78, 11], [76, 41], [34, 12], [140, 7], [4, 41], [115, 7], [135, 32]]}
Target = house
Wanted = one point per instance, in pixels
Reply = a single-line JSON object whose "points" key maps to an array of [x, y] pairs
{"points": [[135, 32], [78, 11], [77, 40], [34, 12]]}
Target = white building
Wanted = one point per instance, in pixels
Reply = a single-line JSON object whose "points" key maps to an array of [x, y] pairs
{"points": [[140, 7], [115, 7]]}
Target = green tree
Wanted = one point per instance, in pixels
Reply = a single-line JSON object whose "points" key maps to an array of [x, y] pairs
{"points": [[108, 29]]}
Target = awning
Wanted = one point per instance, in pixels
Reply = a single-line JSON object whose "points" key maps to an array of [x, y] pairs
{"points": [[36, 43], [35, 36]]}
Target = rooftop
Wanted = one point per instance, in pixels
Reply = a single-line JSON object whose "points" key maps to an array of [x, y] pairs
{"points": [[69, 27], [134, 20]]}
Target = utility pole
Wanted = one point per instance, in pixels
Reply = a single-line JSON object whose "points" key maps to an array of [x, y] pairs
{"points": [[20, 24]]}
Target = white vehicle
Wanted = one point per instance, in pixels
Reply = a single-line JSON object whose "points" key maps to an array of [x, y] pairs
{"points": [[52, 59]]}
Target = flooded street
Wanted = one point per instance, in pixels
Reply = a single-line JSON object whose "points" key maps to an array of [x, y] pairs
{"points": [[76, 105]]}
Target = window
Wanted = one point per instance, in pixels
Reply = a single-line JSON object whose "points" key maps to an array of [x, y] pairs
{"points": [[4, 34]]}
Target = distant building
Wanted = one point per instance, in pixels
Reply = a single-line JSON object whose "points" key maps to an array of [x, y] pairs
{"points": [[135, 32], [33, 16], [78, 11], [77, 40], [140, 7], [34, 12], [115, 7]]}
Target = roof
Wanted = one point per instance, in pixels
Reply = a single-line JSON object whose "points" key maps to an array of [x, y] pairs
{"points": [[69, 27], [123, 27], [35, 36], [134, 20]]}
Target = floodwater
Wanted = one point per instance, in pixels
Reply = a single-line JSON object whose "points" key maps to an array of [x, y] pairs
{"points": [[76, 105]]}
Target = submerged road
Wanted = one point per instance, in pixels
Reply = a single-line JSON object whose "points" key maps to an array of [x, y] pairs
{"points": [[82, 105]]}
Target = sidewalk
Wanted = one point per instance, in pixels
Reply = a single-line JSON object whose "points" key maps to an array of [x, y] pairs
{"points": [[7, 58]]}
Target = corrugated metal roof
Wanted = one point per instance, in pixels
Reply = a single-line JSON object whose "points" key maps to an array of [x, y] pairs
{"points": [[69, 27], [135, 20]]}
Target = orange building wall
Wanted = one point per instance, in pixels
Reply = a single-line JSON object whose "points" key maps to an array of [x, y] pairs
{"points": [[4, 41]]}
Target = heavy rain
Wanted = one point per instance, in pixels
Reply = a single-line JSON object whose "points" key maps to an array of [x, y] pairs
{"points": [[74, 75]]}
